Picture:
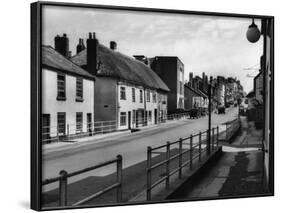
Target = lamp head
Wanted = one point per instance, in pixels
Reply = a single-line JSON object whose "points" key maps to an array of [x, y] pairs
{"points": [[253, 33]]}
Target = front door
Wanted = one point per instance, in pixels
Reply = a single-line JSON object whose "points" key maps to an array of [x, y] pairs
{"points": [[129, 120], [155, 116], [89, 123]]}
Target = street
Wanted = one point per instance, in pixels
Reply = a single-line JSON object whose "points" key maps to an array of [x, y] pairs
{"points": [[132, 147]]}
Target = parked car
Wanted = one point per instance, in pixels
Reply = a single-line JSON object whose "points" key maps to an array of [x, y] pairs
{"points": [[194, 113]]}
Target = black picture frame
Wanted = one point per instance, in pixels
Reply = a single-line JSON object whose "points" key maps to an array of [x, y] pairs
{"points": [[36, 98]]}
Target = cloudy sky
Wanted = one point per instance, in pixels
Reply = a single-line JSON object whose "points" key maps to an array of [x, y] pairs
{"points": [[214, 45]]}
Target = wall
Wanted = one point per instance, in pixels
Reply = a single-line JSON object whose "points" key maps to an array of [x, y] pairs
{"points": [[50, 104], [189, 97], [105, 99], [168, 70], [128, 104]]}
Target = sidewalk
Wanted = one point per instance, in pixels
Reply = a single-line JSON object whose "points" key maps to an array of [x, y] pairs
{"points": [[238, 172]]}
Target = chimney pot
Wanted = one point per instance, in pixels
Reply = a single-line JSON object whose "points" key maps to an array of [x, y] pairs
{"points": [[113, 45]]}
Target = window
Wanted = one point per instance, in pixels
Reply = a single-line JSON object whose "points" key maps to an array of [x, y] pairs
{"points": [[181, 87], [61, 122], [79, 89], [123, 117], [133, 95], [141, 96], [61, 87], [123, 93], [148, 96], [79, 121], [154, 97]]}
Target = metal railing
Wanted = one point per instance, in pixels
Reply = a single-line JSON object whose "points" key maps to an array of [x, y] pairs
{"points": [[189, 153], [71, 131], [64, 176], [52, 133]]}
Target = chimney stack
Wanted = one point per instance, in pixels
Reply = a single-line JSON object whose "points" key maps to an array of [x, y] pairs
{"points": [[62, 45], [80, 46], [113, 45], [191, 79], [92, 53]]}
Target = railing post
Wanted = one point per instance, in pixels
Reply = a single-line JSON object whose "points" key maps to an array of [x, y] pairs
{"points": [[148, 174], [218, 135], [67, 131], [190, 151], [119, 178], [168, 165], [213, 139], [63, 188], [58, 133], [200, 140], [180, 157]]}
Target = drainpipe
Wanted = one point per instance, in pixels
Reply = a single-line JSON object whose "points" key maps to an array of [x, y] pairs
{"points": [[144, 101]]}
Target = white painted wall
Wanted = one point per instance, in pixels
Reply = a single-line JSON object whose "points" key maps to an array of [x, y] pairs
{"points": [[128, 104], [50, 104]]}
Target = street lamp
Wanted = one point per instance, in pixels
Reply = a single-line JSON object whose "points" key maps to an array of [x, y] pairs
{"points": [[253, 33]]}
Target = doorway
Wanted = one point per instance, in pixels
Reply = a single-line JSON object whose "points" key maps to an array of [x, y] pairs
{"points": [[89, 124]]}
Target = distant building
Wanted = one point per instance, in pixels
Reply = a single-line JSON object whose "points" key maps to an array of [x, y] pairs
{"points": [[258, 87], [194, 98], [171, 70], [128, 94], [67, 97]]}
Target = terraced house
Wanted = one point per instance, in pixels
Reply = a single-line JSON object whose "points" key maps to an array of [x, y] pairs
{"points": [[67, 91], [128, 94]]}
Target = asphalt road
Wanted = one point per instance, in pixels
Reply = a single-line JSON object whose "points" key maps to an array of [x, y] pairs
{"points": [[132, 147]]}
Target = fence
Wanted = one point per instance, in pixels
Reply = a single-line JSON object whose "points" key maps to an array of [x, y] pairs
{"points": [[71, 131], [185, 157], [63, 179], [52, 133], [229, 129]]}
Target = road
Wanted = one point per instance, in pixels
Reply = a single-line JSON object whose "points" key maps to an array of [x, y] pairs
{"points": [[132, 147]]}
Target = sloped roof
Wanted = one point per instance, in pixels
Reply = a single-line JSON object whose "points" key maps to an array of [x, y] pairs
{"points": [[117, 65], [53, 59], [198, 92]]}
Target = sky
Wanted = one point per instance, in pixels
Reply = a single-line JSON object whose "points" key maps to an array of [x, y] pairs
{"points": [[214, 45]]}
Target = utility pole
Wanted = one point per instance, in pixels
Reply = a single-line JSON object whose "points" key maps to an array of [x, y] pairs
{"points": [[210, 116]]}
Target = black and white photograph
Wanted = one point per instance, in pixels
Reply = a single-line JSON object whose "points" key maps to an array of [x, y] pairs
{"points": [[146, 106]]}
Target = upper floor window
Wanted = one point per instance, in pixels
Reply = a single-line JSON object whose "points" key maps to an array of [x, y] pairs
{"points": [[133, 94], [148, 96], [181, 88], [141, 96], [79, 89], [61, 87], [123, 93]]}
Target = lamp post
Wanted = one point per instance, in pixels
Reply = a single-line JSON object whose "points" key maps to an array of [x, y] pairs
{"points": [[210, 115]]}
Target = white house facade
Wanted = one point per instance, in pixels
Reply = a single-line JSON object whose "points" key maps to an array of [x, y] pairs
{"points": [[67, 98]]}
